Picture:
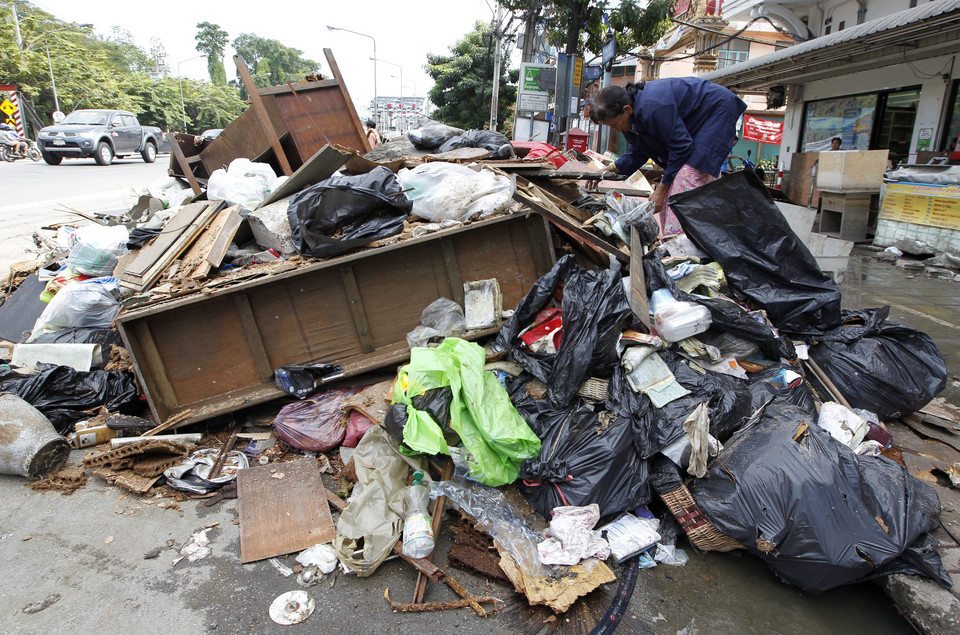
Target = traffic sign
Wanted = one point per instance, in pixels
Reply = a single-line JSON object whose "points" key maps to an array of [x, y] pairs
{"points": [[7, 107]]}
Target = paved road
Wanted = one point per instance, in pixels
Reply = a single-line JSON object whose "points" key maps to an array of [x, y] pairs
{"points": [[37, 194]]}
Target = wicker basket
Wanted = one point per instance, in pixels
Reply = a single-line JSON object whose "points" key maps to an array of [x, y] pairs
{"points": [[694, 523], [593, 388]]}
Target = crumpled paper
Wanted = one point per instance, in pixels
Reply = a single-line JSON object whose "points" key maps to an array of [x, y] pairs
{"points": [[570, 536]]}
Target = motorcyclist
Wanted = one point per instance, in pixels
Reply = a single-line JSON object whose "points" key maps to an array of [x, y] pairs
{"points": [[9, 137]]}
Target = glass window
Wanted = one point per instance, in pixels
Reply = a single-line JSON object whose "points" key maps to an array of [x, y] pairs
{"points": [[850, 118], [895, 123], [732, 52]]}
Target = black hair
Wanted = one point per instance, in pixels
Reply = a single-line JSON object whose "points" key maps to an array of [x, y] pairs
{"points": [[371, 123], [836, 139], [611, 100]]}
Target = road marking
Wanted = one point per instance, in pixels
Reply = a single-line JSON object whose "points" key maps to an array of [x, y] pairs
{"points": [[920, 313]]}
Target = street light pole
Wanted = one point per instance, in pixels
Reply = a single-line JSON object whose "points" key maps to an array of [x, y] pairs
{"points": [[183, 108], [376, 103], [46, 46], [401, 90]]}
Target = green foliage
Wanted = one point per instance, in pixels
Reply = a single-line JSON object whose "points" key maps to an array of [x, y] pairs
{"points": [[576, 26], [211, 40], [263, 55], [462, 88], [110, 72]]}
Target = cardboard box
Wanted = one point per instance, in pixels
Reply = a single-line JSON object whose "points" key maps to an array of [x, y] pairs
{"points": [[853, 171], [89, 437]]}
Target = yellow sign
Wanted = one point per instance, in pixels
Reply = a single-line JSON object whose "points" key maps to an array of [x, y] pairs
{"points": [[577, 71], [8, 107], [922, 204]]}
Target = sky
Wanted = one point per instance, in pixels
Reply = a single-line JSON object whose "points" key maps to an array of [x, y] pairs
{"points": [[404, 32]]}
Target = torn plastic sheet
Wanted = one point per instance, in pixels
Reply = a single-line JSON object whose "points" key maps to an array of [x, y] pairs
{"points": [[193, 474], [817, 513]]}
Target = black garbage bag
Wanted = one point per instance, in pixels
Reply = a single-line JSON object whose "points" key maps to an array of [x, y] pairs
{"points": [[727, 398], [817, 513], [881, 366], [345, 212], [433, 135], [435, 402], [595, 311], [63, 394], [727, 316], [583, 459], [140, 236], [490, 140], [736, 221], [763, 387]]}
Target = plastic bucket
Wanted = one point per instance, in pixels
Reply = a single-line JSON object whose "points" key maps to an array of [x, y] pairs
{"points": [[29, 445]]}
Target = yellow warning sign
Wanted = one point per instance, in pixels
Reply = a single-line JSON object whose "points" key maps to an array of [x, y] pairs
{"points": [[8, 107], [577, 71]]}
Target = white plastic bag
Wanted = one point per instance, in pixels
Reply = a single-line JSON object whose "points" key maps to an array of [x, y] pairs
{"points": [[450, 191], [244, 183], [571, 538], [90, 303], [94, 248]]}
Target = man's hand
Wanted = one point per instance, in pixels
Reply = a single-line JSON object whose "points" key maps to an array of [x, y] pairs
{"points": [[659, 196], [593, 184]]}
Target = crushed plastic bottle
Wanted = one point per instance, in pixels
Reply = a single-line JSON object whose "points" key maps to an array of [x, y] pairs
{"points": [[417, 527]]}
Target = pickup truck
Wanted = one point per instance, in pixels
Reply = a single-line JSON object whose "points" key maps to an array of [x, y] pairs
{"points": [[101, 134]]}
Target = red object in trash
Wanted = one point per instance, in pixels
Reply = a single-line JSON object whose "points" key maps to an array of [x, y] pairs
{"points": [[315, 424], [537, 149], [549, 323]]}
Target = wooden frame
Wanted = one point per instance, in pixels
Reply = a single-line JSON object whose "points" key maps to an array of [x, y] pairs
{"points": [[214, 352]]}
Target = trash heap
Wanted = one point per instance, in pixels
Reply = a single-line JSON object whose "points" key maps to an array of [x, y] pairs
{"points": [[573, 409]]}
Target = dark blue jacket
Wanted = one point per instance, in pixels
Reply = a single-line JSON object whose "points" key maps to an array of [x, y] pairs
{"points": [[681, 120]]}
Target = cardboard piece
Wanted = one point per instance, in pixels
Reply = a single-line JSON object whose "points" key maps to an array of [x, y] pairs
{"points": [[283, 509]]}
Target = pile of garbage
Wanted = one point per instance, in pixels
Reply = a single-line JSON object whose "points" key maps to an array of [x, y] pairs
{"points": [[710, 386]]}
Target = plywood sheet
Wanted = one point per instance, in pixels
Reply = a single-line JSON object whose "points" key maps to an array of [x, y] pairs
{"points": [[283, 508]]}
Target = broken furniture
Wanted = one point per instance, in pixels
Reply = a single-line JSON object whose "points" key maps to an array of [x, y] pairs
{"points": [[847, 182], [215, 352], [296, 119]]}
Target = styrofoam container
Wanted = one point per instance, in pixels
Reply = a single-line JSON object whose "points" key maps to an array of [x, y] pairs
{"points": [[679, 320]]}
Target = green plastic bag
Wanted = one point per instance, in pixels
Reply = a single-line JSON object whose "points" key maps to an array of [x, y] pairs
{"points": [[494, 434]]}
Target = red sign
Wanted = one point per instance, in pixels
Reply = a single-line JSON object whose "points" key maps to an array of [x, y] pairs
{"points": [[762, 130]]}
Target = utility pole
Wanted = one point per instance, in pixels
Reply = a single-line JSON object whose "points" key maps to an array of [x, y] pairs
{"points": [[16, 25], [495, 92]]}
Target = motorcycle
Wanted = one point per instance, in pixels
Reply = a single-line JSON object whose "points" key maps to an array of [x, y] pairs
{"points": [[32, 151]]}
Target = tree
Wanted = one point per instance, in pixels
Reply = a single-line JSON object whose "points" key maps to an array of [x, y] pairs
{"points": [[110, 72], [211, 40], [462, 88], [577, 26], [263, 55]]}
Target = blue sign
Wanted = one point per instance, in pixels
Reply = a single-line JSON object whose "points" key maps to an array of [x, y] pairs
{"points": [[610, 50], [592, 73]]}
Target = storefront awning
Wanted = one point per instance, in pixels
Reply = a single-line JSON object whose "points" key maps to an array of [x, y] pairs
{"points": [[929, 30]]}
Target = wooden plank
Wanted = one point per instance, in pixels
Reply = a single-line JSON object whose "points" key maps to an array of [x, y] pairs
{"points": [[283, 508], [453, 270], [355, 302], [543, 256], [211, 244], [354, 116], [569, 225], [183, 163], [252, 333], [183, 241], [151, 253], [320, 166], [262, 115], [638, 284]]}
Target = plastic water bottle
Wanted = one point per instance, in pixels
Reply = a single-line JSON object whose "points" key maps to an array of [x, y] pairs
{"points": [[417, 526]]}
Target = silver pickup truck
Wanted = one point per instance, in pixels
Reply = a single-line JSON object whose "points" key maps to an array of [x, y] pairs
{"points": [[101, 134]]}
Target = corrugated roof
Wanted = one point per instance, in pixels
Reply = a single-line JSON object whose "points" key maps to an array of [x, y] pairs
{"points": [[893, 21]]}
